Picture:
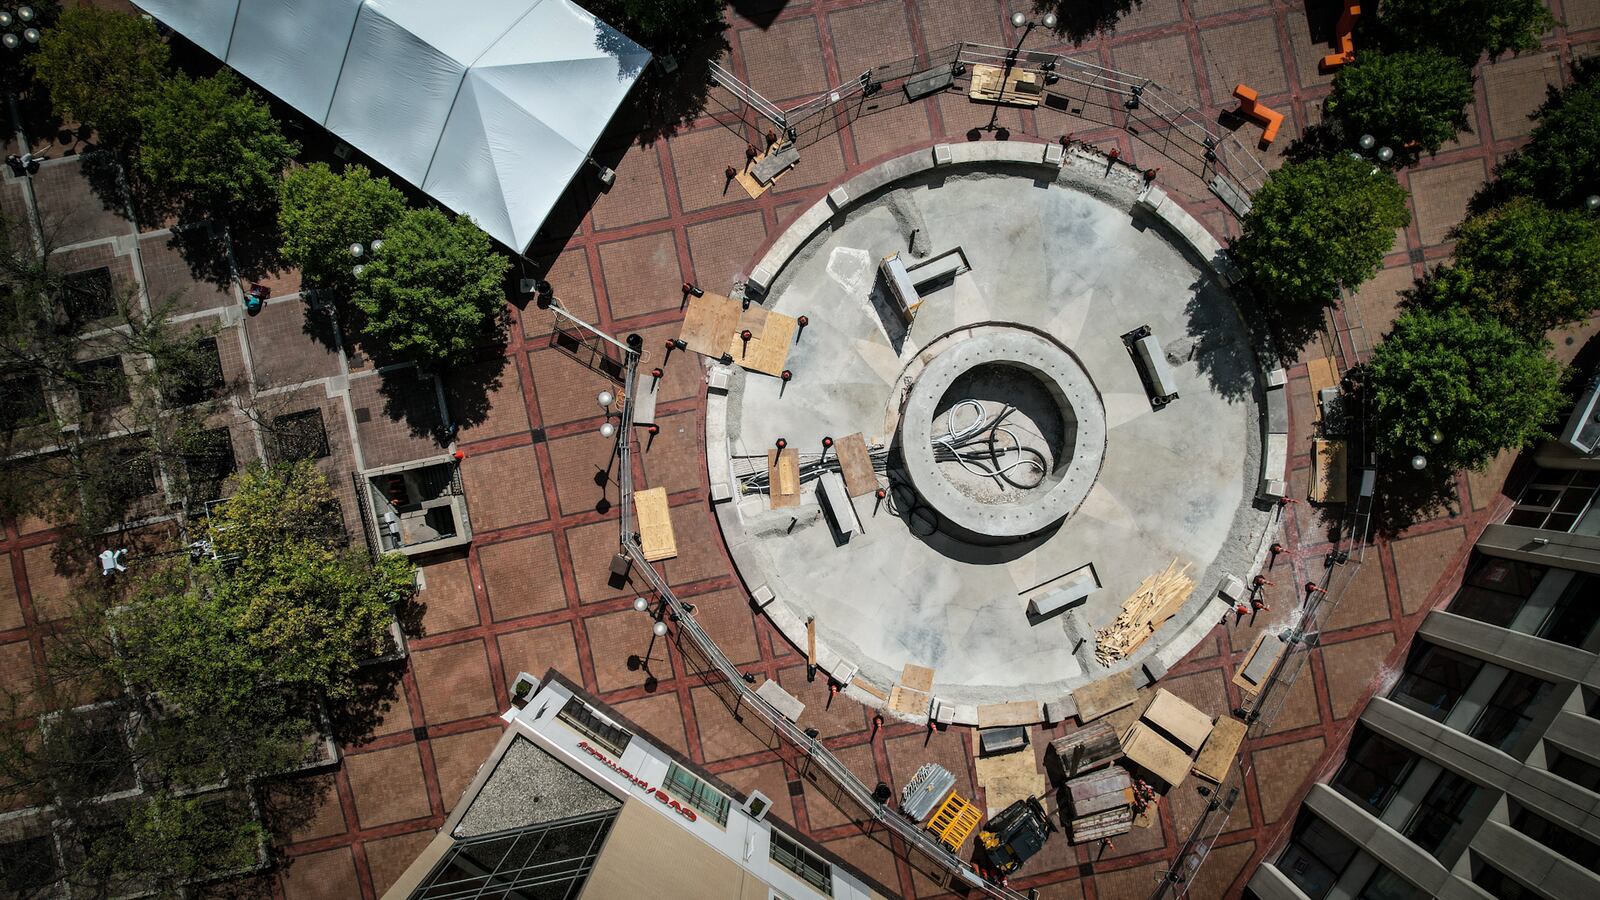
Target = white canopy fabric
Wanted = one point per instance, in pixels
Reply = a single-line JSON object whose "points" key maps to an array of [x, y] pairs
{"points": [[488, 106]]}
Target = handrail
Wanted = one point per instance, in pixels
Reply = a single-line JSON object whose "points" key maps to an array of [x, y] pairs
{"points": [[748, 94], [815, 750]]}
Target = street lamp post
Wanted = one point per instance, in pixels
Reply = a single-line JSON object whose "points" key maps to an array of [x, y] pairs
{"points": [[1018, 20], [1384, 154], [21, 19]]}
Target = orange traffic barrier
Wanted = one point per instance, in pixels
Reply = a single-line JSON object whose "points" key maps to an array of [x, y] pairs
{"points": [[1249, 107], [1343, 38]]}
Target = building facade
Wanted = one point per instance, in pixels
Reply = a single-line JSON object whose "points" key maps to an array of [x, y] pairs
{"points": [[1474, 770], [575, 802]]}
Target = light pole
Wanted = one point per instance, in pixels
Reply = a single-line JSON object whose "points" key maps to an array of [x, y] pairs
{"points": [[1419, 461], [605, 399], [1018, 20], [360, 251], [1592, 202], [1384, 155], [658, 629]]}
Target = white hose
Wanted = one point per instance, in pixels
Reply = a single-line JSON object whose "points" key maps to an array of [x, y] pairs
{"points": [[954, 439]]}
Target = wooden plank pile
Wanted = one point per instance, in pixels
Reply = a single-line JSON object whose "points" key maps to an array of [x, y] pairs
{"points": [[1087, 748], [1155, 601], [1101, 804]]}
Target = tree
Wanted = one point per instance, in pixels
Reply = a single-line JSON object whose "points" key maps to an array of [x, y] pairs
{"points": [[1560, 164], [321, 213], [1464, 28], [1402, 97], [211, 143], [99, 66], [435, 289], [1528, 266], [1319, 225], [664, 26], [1477, 384]]}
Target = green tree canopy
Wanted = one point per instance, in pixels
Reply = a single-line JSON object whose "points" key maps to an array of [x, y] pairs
{"points": [[99, 66], [435, 290], [1560, 164], [321, 213], [211, 142], [1419, 95], [1464, 28], [1317, 225], [1524, 264], [1481, 386]]}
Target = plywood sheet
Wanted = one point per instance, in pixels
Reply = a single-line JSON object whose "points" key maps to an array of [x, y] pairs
{"points": [[1172, 714], [1330, 471], [917, 678], [907, 701], [870, 688], [855, 464], [747, 179], [1155, 754], [655, 524], [1017, 712], [767, 353], [753, 318], [1220, 749], [783, 475], [709, 323], [1105, 696]]}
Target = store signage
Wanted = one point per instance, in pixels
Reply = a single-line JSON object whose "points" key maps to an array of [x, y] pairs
{"points": [[650, 790]]}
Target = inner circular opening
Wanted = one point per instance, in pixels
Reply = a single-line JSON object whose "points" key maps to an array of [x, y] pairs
{"points": [[1002, 433]]}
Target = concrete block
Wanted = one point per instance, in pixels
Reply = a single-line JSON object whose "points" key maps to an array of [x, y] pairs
{"points": [[941, 155], [1060, 709], [1151, 198], [789, 622], [1054, 155], [1278, 411], [762, 596], [942, 711], [721, 492], [717, 379], [761, 278], [784, 702], [644, 401], [846, 672], [1232, 588], [839, 197], [1277, 378], [965, 714], [1276, 462], [1273, 488], [1154, 669]]}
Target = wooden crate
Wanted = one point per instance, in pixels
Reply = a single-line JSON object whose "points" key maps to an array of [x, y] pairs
{"points": [[1093, 746], [1098, 792], [1102, 825]]}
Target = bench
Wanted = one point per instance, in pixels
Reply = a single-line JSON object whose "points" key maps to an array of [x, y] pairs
{"points": [[932, 81], [1251, 108], [1063, 593], [901, 288], [830, 490], [1158, 375], [1343, 38], [775, 163], [994, 741]]}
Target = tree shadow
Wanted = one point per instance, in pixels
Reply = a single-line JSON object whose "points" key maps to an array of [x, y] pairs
{"points": [[468, 390], [663, 101], [356, 718], [1079, 20], [1219, 341], [760, 13]]}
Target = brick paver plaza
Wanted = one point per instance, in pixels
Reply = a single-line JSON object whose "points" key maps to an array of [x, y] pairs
{"points": [[532, 591]]}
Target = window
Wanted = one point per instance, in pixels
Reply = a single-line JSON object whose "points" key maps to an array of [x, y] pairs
{"points": [[584, 720], [1439, 814], [545, 860], [1316, 856], [89, 295], [22, 402], [1373, 770], [1573, 615], [1510, 710], [690, 788], [1570, 845], [1575, 770], [102, 384], [1434, 679], [300, 435], [1386, 885], [1556, 500], [812, 869], [1495, 590], [1497, 883]]}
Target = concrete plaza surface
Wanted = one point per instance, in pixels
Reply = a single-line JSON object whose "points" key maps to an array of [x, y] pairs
{"points": [[531, 593], [1175, 483]]}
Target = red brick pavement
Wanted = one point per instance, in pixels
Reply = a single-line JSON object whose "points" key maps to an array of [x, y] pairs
{"points": [[530, 593]]}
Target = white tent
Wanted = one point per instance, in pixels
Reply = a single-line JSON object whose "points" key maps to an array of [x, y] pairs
{"points": [[489, 106]]}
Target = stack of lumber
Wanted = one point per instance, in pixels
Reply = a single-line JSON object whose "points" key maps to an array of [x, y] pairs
{"points": [[1156, 600], [1087, 748], [1100, 805]]}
